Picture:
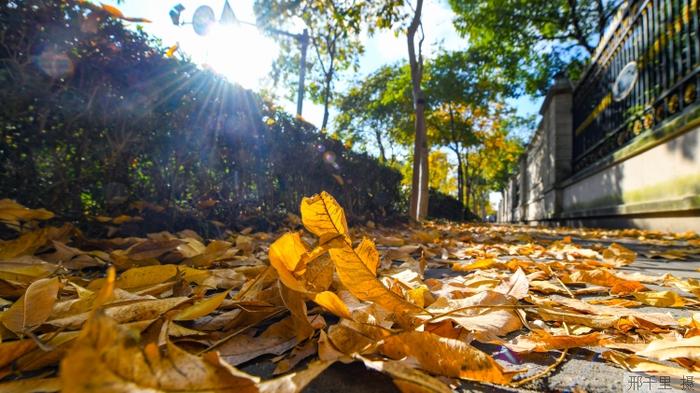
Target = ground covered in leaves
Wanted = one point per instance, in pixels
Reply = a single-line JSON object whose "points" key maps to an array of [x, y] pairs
{"points": [[435, 308]]}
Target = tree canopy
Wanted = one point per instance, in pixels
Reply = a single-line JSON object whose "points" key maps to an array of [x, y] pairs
{"points": [[532, 40]]}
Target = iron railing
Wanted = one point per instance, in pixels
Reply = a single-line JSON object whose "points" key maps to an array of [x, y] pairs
{"points": [[645, 74]]}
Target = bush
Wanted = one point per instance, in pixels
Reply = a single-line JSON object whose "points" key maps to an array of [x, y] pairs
{"points": [[443, 206], [95, 118]]}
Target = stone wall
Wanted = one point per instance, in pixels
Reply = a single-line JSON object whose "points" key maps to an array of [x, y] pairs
{"points": [[651, 183]]}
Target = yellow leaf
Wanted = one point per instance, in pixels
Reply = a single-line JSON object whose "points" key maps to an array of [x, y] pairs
{"points": [[322, 215], [363, 284], [26, 244], [105, 358], [368, 254], [202, 308], [288, 251], [107, 290], [146, 276], [285, 255], [33, 308], [478, 264], [114, 11], [444, 356], [660, 299], [420, 296], [331, 302]]}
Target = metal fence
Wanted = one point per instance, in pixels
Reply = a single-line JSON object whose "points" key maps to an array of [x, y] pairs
{"points": [[644, 75]]}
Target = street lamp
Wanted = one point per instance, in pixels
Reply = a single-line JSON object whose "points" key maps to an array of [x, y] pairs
{"points": [[203, 19]]}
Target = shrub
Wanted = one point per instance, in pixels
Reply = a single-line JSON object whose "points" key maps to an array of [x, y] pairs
{"points": [[95, 117]]}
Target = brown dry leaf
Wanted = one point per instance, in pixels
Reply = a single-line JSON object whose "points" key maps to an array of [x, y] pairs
{"points": [[444, 356], [542, 341], [636, 363], [488, 314], [13, 213], [12, 350], [26, 244], [516, 287], [122, 313], [105, 358], [115, 12], [25, 269], [688, 348], [594, 321], [604, 277], [276, 339], [294, 382], [406, 378], [33, 308], [43, 385], [296, 304], [618, 255]]}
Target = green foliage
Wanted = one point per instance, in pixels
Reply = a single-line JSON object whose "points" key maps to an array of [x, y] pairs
{"points": [[94, 117], [377, 111], [335, 47], [532, 40]]}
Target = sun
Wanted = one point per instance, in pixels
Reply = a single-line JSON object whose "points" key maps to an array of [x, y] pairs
{"points": [[240, 53]]}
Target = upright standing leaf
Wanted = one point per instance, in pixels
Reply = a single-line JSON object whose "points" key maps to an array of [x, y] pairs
{"points": [[322, 215]]}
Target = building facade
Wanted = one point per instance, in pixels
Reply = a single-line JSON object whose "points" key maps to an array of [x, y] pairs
{"points": [[622, 147]]}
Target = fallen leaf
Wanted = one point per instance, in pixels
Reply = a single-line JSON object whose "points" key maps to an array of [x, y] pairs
{"points": [[444, 356], [201, 308], [33, 308], [660, 299], [331, 302], [688, 348], [105, 359]]}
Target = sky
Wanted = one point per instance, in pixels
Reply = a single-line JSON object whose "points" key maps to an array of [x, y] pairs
{"points": [[244, 55]]}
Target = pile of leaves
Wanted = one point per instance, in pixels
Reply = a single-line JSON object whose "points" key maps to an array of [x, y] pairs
{"points": [[176, 312]]}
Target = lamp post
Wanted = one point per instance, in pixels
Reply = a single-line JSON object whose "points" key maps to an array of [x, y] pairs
{"points": [[203, 19]]}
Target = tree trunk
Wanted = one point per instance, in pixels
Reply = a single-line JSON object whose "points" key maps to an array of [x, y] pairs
{"points": [[419, 184], [380, 144], [326, 102], [456, 149], [467, 180]]}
